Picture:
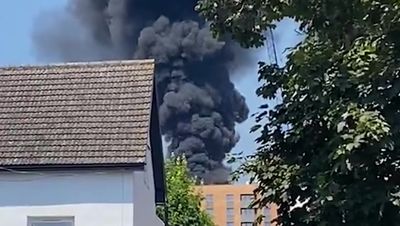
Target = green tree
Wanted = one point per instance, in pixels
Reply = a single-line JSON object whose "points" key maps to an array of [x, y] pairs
{"points": [[183, 201], [332, 143]]}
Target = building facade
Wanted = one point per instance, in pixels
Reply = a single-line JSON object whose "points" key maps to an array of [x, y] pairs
{"points": [[229, 205]]}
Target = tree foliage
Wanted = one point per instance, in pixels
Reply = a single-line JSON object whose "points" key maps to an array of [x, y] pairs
{"points": [[333, 142], [183, 202]]}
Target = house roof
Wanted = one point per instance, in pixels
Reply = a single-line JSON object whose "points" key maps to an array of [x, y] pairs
{"points": [[94, 113]]}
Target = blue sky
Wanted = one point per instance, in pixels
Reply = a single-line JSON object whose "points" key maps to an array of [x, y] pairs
{"points": [[285, 36], [16, 23], [16, 19]]}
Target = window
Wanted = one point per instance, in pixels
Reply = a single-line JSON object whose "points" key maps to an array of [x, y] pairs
{"points": [[209, 204], [229, 200], [248, 215], [267, 217], [209, 201], [230, 215], [50, 221], [246, 200], [230, 212], [210, 212]]}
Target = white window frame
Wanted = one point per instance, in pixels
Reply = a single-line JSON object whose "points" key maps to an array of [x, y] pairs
{"points": [[52, 219]]}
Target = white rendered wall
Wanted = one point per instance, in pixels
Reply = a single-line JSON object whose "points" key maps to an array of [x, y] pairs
{"points": [[94, 198]]}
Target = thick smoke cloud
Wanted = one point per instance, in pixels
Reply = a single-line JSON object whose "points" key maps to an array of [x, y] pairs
{"points": [[199, 105]]}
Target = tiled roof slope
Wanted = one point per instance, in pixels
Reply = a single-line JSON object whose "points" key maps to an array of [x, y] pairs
{"points": [[75, 114]]}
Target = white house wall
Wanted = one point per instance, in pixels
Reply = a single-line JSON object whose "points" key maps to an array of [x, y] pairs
{"points": [[101, 198]]}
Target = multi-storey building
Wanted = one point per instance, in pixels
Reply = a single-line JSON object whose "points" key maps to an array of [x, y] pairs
{"points": [[229, 205]]}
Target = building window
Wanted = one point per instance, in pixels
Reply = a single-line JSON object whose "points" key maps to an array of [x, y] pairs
{"points": [[230, 215], [229, 200], [248, 215], [267, 216], [230, 224], [246, 200], [210, 204], [209, 201], [50, 221], [230, 212]]}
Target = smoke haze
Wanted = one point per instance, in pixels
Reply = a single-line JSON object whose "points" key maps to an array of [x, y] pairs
{"points": [[199, 103]]}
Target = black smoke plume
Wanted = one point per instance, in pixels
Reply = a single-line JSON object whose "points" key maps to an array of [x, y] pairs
{"points": [[199, 104]]}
